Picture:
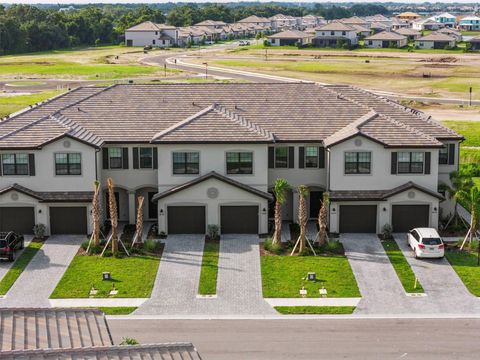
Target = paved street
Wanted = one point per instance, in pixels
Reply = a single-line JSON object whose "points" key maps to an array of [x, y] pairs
{"points": [[382, 339]]}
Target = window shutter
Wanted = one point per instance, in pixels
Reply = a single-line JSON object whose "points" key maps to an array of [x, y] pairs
{"points": [[451, 154], [428, 160], [291, 157], [271, 157], [155, 158], [125, 158], [301, 157], [105, 158], [31, 164], [135, 158], [321, 157], [394, 163]]}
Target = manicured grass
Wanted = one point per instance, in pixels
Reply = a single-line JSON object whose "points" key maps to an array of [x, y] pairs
{"points": [[465, 265], [282, 276], [119, 310], [469, 129], [132, 276], [11, 104], [20, 264], [402, 268], [292, 310], [476, 180], [469, 156], [209, 272]]}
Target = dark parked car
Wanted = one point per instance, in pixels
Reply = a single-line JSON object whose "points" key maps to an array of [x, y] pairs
{"points": [[9, 243]]}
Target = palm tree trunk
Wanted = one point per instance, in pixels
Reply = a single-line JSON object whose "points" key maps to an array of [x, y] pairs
{"points": [[302, 221], [113, 215], [277, 235], [96, 215]]}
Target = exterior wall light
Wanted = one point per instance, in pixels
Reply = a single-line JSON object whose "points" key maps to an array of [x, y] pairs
{"points": [[39, 211], [264, 210], [333, 209], [161, 211], [384, 209]]}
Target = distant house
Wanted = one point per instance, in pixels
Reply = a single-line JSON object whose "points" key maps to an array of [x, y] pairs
{"points": [[450, 32], [312, 21], [362, 31], [151, 34], [409, 16], [355, 20], [331, 34], [446, 19], [475, 43], [212, 24], [281, 21], [386, 39], [376, 27], [379, 18], [470, 23], [290, 37], [435, 41], [427, 24], [411, 34], [399, 23], [256, 20]]}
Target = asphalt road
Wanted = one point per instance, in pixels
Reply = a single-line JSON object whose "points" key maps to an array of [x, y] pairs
{"points": [[381, 339]]}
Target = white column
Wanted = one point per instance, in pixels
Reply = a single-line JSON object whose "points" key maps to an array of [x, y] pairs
{"points": [[131, 207]]}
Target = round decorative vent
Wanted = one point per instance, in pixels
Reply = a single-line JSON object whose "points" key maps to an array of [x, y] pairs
{"points": [[411, 194], [212, 193], [358, 142], [66, 144], [14, 196]]}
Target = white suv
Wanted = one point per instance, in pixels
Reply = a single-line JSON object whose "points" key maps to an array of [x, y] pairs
{"points": [[426, 243]]}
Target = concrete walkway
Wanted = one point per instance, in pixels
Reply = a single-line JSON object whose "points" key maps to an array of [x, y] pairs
{"points": [[40, 277], [5, 265]]}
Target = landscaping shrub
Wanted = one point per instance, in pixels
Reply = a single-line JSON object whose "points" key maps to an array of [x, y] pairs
{"points": [[334, 247], [153, 246], [128, 232], [129, 341], [273, 248], [39, 230], [212, 231], [387, 232], [108, 253]]}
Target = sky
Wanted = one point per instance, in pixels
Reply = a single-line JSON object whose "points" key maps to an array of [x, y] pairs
{"points": [[217, 1]]}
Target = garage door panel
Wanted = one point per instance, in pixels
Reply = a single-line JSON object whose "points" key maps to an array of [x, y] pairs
{"points": [[186, 219], [68, 220], [239, 219], [18, 219], [358, 218], [407, 217]]}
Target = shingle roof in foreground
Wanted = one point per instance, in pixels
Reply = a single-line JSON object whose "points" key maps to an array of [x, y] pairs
{"points": [[170, 351], [288, 112]]}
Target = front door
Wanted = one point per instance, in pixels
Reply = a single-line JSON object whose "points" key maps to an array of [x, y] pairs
{"points": [[152, 206], [315, 203]]}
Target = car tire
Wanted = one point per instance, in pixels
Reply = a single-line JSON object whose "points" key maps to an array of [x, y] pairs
{"points": [[415, 254], [11, 257], [22, 244]]}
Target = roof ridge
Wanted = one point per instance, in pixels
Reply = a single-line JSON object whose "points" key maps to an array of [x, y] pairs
{"points": [[408, 127], [73, 126]]}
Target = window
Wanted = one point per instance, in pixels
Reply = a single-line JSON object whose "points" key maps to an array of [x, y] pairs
{"points": [[115, 158], [239, 163], [344, 33], [332, 33], [146, 158], [358, 162], [68, 164], [410, 162], [281, 157], [15, 164], [186, 162], [443, 155], [311, 156]]}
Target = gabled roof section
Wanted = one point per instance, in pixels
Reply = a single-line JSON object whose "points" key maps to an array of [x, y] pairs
{"points": [[21, 189], [150, 26], [217, 176], [290, 34], [336, 26], [350, 130], [436, 37], [51, 196], [411, 185], [387, 36], [254, 19], [214, 124]]}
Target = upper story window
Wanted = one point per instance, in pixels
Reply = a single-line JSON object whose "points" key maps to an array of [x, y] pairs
{"points": [[358, 162], [443, 155], [15, 164], [281, 157], [186, 162], [146, 158], [68, 164], [239, 162], [332, 33], [311, 156], [410, 162], [115, 158]]}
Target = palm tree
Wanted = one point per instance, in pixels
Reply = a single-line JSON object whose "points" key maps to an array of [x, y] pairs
{"points": [[302, 216], [113, 215], [322, 219], [96, 214], [459, 183], [139, 224], [280, 190], [472, 198]]}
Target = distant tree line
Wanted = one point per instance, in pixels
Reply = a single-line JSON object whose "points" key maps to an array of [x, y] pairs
{"points": [[25, 28]]}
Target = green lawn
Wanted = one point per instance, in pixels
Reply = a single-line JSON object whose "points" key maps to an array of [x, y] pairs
{"points": [[292, 310], [402, 268], [465, 264], [469, 156], [469, 129], [133, 277], [119, 310], [282, 276], [11, 104], [20, 264], [209, 272]]}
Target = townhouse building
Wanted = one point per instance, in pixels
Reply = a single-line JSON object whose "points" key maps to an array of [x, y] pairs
{"points": [[210, 154], [151, 34], [331, 34]]}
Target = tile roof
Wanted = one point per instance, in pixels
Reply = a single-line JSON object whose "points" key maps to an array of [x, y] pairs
{"points": [[212, 175], [354, 20], [336, 26], [254, 19], [28, 329], [282, 112], [407, 32], [184, 351], [386, 35], [51, 196], [475, 39], [211, 23], [150, 26], [436, 37], [290, 34]]}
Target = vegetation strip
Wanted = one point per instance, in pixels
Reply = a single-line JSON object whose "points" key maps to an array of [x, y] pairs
{"points": [[465, 265], [18, 266], [402, 267], [471, 130], [11, 104], [119, 310], [325, 310], [209, 272], [132, 276]]}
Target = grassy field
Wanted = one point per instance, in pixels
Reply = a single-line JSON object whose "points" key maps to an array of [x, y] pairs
{"points": [[465, 264], [319, 310], [20, 264], [133, 277], [119, 310], [282, 276], [402, 268], [209, 272], [469, 129], [11, 104]]}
